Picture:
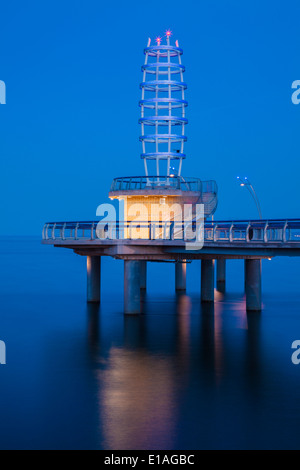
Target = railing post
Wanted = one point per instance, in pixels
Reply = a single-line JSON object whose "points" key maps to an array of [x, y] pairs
{"points": [[45, 232], [215, 232], [63, 231], [284, 232], [53, 231], [231, 233], [76, 232], [247, 233], [266, 233]]}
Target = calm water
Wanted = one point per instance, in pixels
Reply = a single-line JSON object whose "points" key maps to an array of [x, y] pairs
{"points": [[180, 376]]}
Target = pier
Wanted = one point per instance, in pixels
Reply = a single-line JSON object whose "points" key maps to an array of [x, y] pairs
{"points": [[251, 241]]}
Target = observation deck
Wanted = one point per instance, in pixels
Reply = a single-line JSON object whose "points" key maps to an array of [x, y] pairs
{"points": [[187, 190]]}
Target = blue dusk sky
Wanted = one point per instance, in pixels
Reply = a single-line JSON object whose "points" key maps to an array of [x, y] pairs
{"points": [[72, 71]]}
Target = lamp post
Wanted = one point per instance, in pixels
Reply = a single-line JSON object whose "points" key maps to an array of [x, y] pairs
{"points": [[245, 182]]}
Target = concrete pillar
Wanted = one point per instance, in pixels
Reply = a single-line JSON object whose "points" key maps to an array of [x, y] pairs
{"points": [[93, 278], [143, 275], [253, 284], [207, 280], [132, 287], [180, 276], [221, 275]]}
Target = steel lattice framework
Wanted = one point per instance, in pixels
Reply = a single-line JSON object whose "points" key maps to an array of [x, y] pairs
{"points": [[163, 106]]}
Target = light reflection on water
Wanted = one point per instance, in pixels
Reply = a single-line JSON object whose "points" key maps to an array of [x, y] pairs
{"points": [[170, 368]]}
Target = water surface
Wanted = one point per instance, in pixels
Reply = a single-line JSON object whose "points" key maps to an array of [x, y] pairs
{"points": [[180, 376]]}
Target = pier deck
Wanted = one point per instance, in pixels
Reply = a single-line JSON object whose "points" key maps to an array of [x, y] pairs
{"points": [[230, 239]]}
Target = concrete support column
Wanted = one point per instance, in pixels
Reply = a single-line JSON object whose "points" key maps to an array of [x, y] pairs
{"points": [[221, 274], [207, 280], [253, 284], [93, 278], [180, 276], [143, 275], [132, 287]]}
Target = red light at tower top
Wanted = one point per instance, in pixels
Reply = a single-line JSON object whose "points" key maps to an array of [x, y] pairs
{"points": [[167, 35]]}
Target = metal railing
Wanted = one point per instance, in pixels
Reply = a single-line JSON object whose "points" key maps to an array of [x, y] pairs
{"points": [[135, 183], [220, 232]]}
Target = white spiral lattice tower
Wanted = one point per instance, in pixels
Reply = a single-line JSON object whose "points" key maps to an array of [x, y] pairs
{"points": [[163, 106]]}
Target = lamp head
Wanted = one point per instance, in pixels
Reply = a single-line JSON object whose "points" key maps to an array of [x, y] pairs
{"points": [[173, 172], [243, 181]]}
